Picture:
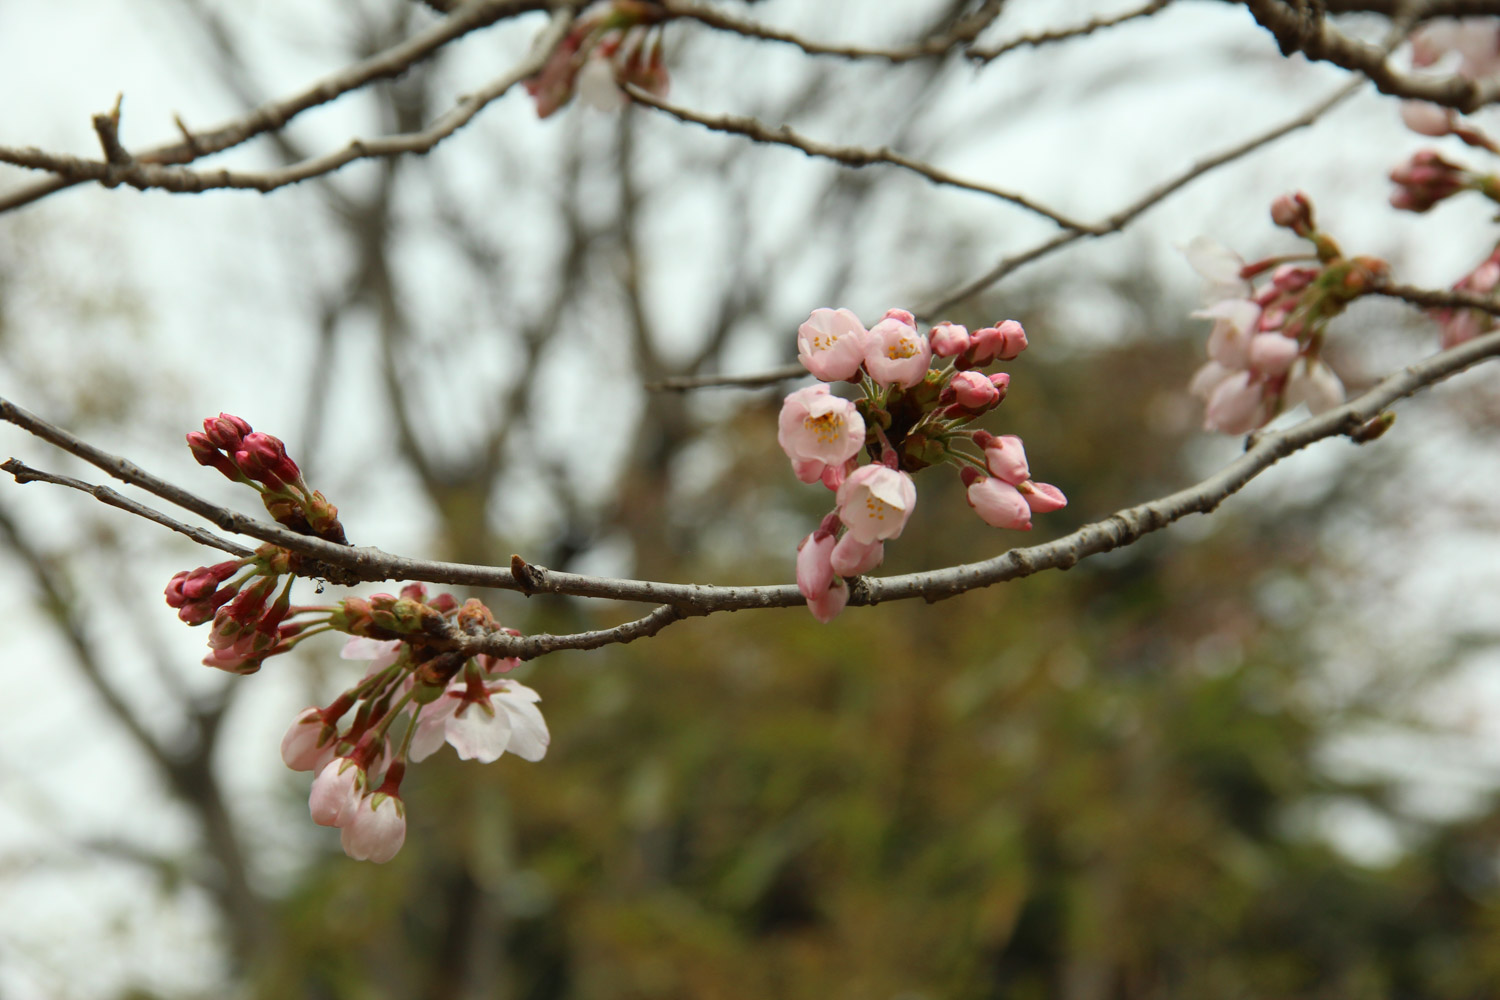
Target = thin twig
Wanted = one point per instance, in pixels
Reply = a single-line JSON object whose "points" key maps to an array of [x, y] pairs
{"points": [[963, 32], [275, 115], [1316, 38], [1121, 528], [24, 473], [850, 156], [1063, 34], [1126, 215], [182, 180], [684, 382]]}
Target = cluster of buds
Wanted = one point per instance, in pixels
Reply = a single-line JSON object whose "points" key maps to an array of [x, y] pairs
{"points": [[416, 675], [1427, 178], [353, 745], [1461, 324], [918, 393], [614, 42], [233, 595], [1470, 49], [1264, 351], [260, 461]]}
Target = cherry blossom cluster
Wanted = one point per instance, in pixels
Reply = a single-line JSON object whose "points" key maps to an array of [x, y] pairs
{"points": [[1266, 345], [1466, 47], [614, 42], [416, 695], [435, 696], [917, 394]]}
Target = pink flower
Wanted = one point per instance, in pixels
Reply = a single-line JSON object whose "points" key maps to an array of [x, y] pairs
{"points": [[1425, 180], [1461, 325], [483, 723], [1042, 498], [309, 743], [999, 503], [831, 344], [1315, 384], [1220, 268], [851, 557], [1476, 40], [375, 828], [335, 791], [1207, 379], [1234, 321], [827, 605], [1236, 405], [895, 353], [380, 653], [1426, 118], [973, 391], [818, 427], [1006, 458], [1005, 342], [1272, 354], [814, 564], [948, 340], [874, 502]]}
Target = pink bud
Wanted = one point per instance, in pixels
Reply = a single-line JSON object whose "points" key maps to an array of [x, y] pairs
{"points": [[1292, 211], [948, 340], [374, 828], [814, 565], [973, 391], [1000, 504], [1425, 118], [827, 605], [225, 431], [1006, 458], [1235, 407], [1005, 342], [1042, 498], [1272, 354], [851, 557], [301, 749], [335, 791], [269, 455]]}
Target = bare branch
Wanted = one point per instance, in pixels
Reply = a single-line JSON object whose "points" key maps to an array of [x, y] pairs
{"points": [[24, 473], [1063, 34], [684, 382], [1126, 215], [850, 156], [185, 181], [1308, 32], [274, 115], [963, 32], [1121, 528]]}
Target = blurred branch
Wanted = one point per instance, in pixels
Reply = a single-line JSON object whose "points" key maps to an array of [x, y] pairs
{"points": [[850, 156], [1119, 529], [1303, 28], [185, 181], [1063, 34], [24, 473], [1118, 221], [684, 382], [274, 115], [963, 32]]}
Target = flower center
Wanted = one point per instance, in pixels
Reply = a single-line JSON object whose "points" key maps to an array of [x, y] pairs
{"points": [[826, 428], [876, 508], [901, 349]]}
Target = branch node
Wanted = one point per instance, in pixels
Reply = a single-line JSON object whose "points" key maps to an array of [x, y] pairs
{"points": [[528, 577], [1373, 428], [107, 126]]}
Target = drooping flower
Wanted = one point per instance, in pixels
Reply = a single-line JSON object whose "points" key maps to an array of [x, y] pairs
{"points": [[818, 429], [1220, 268], [851, 557], [874, 502], [1003, 342], [831, 344], [335, 791], [815, 563], [483, 720], [948, 340], [374, 828], [309, 743], [999, 503], [1315, 384]]}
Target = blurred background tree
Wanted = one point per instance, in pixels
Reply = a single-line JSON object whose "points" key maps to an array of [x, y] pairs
{"points": [[1127, 781]]}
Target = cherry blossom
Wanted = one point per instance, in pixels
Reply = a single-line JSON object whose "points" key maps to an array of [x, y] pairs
{"points": [[818, 429], [895, 353], [335, 791], [374, 828], [831, 344], [874, 502], [482, 721]]}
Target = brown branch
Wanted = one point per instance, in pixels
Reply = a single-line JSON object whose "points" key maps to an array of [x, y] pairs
{"points": [[683, 382], [850, 156], [275, 115], [1121, 528], [963, 32], [182, 180], [24, 473], [1429, 298], [1063, 34], [1313, 36], [1119, 220]]}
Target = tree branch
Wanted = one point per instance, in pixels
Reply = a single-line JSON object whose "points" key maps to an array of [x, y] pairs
{"points": [[1063, 34]]}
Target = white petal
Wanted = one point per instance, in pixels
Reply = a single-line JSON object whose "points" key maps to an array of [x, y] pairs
{"points": [[528, 734], [477, 734]]}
